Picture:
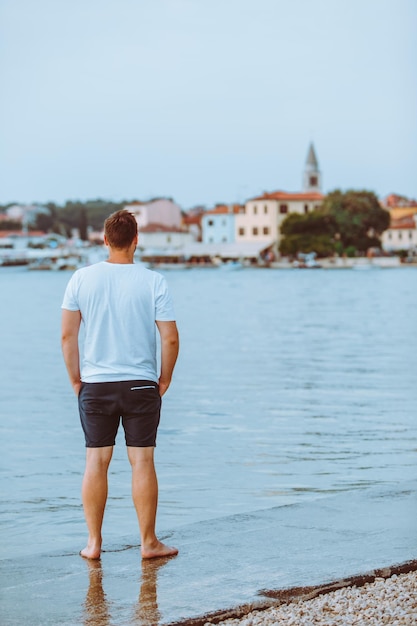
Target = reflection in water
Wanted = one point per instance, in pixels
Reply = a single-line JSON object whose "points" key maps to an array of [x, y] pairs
{"points": [[96, 610], [96, 607], [147, 612]]}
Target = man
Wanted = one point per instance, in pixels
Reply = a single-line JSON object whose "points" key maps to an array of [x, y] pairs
{"points": [[121, 305]]}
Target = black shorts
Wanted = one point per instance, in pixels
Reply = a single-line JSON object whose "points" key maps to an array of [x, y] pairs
{"points": [[136, 402]]}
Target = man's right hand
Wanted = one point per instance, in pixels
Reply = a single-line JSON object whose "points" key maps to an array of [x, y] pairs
{"points": [[77, 387]]}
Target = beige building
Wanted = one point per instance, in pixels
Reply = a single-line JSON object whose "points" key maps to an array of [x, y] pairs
{"points": [[402, 232], [261, 218], [401, 235]]}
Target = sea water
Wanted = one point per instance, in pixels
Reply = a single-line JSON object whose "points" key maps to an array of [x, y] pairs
{"points": [[290, 385]]}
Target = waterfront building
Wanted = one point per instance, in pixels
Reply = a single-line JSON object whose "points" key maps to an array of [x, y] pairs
{"points": [[395, 201], [25, 214], [161, 231], [401, 235], [402, 232], [219, 224], [160, 236], [192, 221], [400, 211], [263, 215], [162, 211]]}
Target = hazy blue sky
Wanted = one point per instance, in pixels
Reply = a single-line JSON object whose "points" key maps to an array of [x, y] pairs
{"points": [[205, 100]]}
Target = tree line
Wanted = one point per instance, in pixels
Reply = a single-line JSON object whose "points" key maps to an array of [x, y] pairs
{"points": [[63, 219], [345, 223]]}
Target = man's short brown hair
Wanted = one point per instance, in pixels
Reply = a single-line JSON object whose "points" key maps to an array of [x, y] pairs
{"points": [[120, 229]]}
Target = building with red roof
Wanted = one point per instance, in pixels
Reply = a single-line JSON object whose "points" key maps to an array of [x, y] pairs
{"points": [[263, 215], [401, 235]]}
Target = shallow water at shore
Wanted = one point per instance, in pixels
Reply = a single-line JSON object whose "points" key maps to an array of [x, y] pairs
{"points": [[290, 385]]}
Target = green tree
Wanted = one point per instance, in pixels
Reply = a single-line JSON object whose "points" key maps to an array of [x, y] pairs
{"points": [[82, 224], [98, 210], [77, 214], [46, 221], [313, 232], [359, 218], [345, 223]]}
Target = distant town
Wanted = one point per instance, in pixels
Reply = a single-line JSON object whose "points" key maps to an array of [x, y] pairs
{"points": [[302, 229]]}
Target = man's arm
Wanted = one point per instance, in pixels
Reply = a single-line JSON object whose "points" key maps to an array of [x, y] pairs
{"points": [[169, 352], [71, 321]]}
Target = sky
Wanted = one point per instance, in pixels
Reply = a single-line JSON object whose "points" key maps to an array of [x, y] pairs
{"points": [[205, 101]]}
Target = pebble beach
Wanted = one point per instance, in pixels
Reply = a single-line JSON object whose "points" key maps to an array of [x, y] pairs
{"points": [[391, 601]]}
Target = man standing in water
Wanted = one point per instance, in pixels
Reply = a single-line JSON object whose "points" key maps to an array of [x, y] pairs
{"points": [[121, 305]]}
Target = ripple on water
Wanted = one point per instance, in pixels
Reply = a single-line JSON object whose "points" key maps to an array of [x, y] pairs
{"points": [[289, 386]]}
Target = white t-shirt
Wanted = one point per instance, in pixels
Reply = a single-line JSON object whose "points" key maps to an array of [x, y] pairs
{"points": [[119, 304]]}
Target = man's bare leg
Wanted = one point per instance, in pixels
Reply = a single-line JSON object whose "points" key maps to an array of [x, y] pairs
{"points": [[145, 499], [94, 494]]}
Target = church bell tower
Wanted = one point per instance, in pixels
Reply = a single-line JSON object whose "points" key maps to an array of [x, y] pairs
{"points": [[311, 175]]}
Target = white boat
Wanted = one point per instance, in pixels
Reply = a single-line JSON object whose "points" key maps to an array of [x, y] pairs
{"points": [[70, 262], [306, 261], [231, 265]]}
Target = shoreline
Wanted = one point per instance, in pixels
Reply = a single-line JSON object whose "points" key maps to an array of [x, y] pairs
{"points": [[324, 600]]}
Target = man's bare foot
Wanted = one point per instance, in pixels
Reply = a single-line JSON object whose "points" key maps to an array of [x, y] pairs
{"points": [[157, 549], [91, 551]]}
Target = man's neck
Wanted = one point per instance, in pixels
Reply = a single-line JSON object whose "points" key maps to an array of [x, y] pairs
{"points": [[121, 257]]}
